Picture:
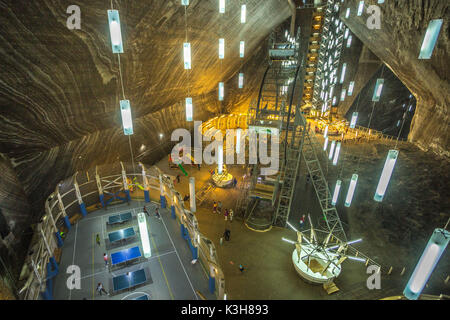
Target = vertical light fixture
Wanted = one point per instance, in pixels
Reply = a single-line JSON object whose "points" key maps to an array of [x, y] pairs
{"points": [[143, 232], [378, 89], [220, 158], [189, 109], [326, 132], [351, 190], [386, 175], [241, 49], [344, 68], [184, 2], [343, 94], [221, 91], [347, 13], [241, 80], [221, 48], [349, 41], [360, 8], [333, 144], [187, 55], [337, 189], [354, 119], [351, 86], [243, 13], [222, 6], [430, 257], [127, 121], [115, 31], [325, 144], [430, 39], [336, 153]]}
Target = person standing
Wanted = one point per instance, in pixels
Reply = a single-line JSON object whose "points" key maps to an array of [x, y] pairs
{"points": [[157, 213], [105, 258], [226, 214], [226, 234], [100, 289], [97, 239], [146, 211], [215, 207], [302, 221], [241, 268]]}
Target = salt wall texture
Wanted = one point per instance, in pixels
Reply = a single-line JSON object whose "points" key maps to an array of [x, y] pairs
{"points": [[397, 43], [60, 88]]}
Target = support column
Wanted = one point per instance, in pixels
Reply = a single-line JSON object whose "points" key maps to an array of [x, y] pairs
{"points": [[78, 194], [99, 187], [63, 210], [161, 193], [145, 183], [125, 183], [173, 212], [192, 194]]}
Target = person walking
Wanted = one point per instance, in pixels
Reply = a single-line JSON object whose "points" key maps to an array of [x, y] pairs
{"points": [[241, 268], [302, 221], [231, 215], [226, 214], [97, 239], [146, 211], [226, 234], [215, 207], [105, 258], [100, 289], [157, 213], [235, 182]]}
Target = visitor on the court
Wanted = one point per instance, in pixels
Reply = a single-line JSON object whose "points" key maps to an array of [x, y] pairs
{"points": [[146, 211], [226, 214], [226, 234], [231, 214], [105, 258], [100, 289], [157, 213], [215, 207], [302, 221], [234, 182], [241, 268], [97, 239]]}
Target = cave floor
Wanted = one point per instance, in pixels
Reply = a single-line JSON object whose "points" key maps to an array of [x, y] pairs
{"points": [[169, 272]]}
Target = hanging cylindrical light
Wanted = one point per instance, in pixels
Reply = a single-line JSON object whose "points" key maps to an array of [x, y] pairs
{"points": [[221, 48], [351, 190], [337, 189], [353, 121], [386, 175], [326, 132], [115, 31], [241, 80], [336, 154], [187, 55], [333, 144], [325, 144], [241, 49], [221, 91], [222, 6], [430, 257], [189, 109], [243, 13], [378, 89], [127, 121]]}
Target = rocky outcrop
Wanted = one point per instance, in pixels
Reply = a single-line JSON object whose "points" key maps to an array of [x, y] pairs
{"points": [[397, 44]]}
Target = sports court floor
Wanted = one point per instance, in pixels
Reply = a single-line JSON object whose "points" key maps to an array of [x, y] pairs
{"points": [[169, 272]]}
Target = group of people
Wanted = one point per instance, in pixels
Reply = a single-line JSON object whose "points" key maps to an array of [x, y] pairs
{"points": [[217, 208]]}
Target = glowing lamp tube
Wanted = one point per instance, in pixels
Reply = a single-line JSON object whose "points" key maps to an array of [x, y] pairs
{"points": [[351, 190], [430, 257], [189, 109], [115, 32], [243, 13], [241, 80], [337, 188], [127, 121], [222, 6], [187, 55], [184, 2], [221, 48], [336, 153], [325, 144], [326, 132], [386, 175], [220, 159], [353, 121], [378, 89], [221, 91], [241, 49], [333, 144], [143, 232]]}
